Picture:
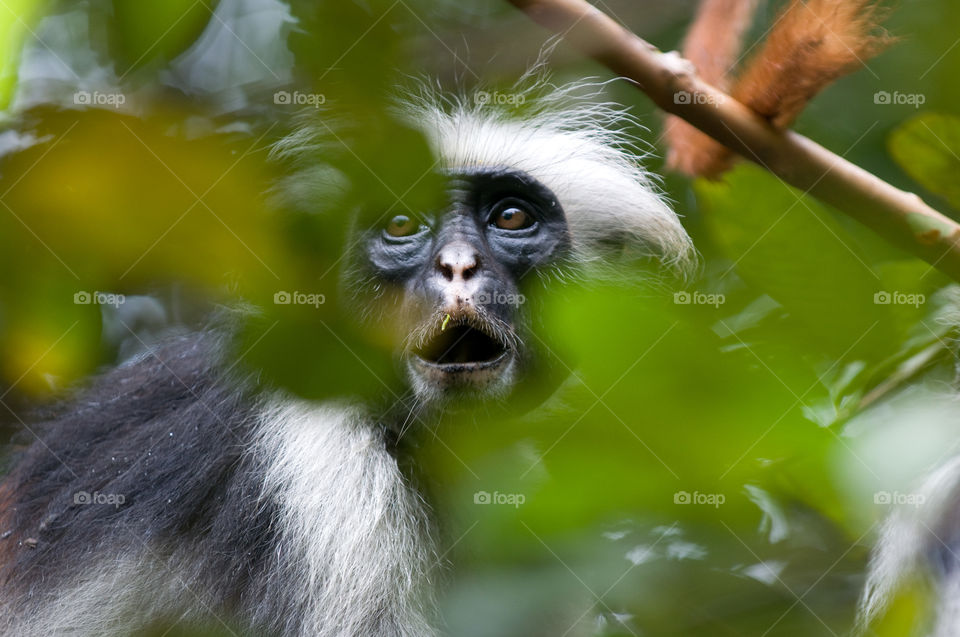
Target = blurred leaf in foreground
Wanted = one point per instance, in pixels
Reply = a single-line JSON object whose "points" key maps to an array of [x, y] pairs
{"points": [[16, 16], [791, 247], [927, 147]]}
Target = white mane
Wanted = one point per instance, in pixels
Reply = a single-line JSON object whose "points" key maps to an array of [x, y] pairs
{"points": [[573, 145], [563, 137]]}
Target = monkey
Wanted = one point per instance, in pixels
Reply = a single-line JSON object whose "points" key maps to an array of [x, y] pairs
{"points": [[176, 488]]}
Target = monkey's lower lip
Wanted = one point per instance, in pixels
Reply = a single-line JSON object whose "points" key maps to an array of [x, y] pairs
{"points": [[472, 366], [462, 348], [468, 375]]}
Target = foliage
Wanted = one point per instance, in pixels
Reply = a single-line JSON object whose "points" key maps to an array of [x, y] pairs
{"points": [[713, 463]]}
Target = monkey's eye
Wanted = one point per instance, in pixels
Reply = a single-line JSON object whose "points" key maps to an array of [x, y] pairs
{"points": [[510, 216], [404, 226]]}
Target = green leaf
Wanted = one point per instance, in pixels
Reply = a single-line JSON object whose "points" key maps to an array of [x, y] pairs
{"points": [[147, 30], [791, 247], [927, 147], [15, 19]]}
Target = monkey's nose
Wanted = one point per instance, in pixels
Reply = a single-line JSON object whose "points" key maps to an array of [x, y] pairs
{"points": [[458, 260]]}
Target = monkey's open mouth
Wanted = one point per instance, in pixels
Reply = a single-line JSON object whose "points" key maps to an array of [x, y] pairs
{"points": [[462, 345]]}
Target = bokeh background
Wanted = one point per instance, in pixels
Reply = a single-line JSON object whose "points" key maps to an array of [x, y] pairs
{"points": [[723, 450]]}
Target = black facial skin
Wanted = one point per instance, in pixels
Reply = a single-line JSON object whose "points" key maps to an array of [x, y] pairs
{"points": [[459, 283]]}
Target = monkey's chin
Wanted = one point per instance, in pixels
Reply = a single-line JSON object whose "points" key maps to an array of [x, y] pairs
{"points": [[473, 379]]}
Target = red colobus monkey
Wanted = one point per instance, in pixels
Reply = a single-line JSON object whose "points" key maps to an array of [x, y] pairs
{"points": [[292, 517]]}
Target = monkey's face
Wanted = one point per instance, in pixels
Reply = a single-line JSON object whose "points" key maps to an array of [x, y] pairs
{"points": [[457, 286]]}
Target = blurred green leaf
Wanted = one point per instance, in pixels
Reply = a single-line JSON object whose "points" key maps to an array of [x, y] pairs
{"points": [[927, 147], [16, 18], [789, 246], [144, 31]]}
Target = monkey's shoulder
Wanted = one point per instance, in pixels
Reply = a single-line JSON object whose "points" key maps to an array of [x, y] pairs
{"points": [[150, 451]]}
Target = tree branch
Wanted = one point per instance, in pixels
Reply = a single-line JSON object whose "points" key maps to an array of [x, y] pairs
{"points": [[901, 217]]}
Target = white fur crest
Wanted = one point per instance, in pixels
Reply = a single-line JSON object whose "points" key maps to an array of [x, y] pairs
{"points": [[571, 143], [576, 148]]}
